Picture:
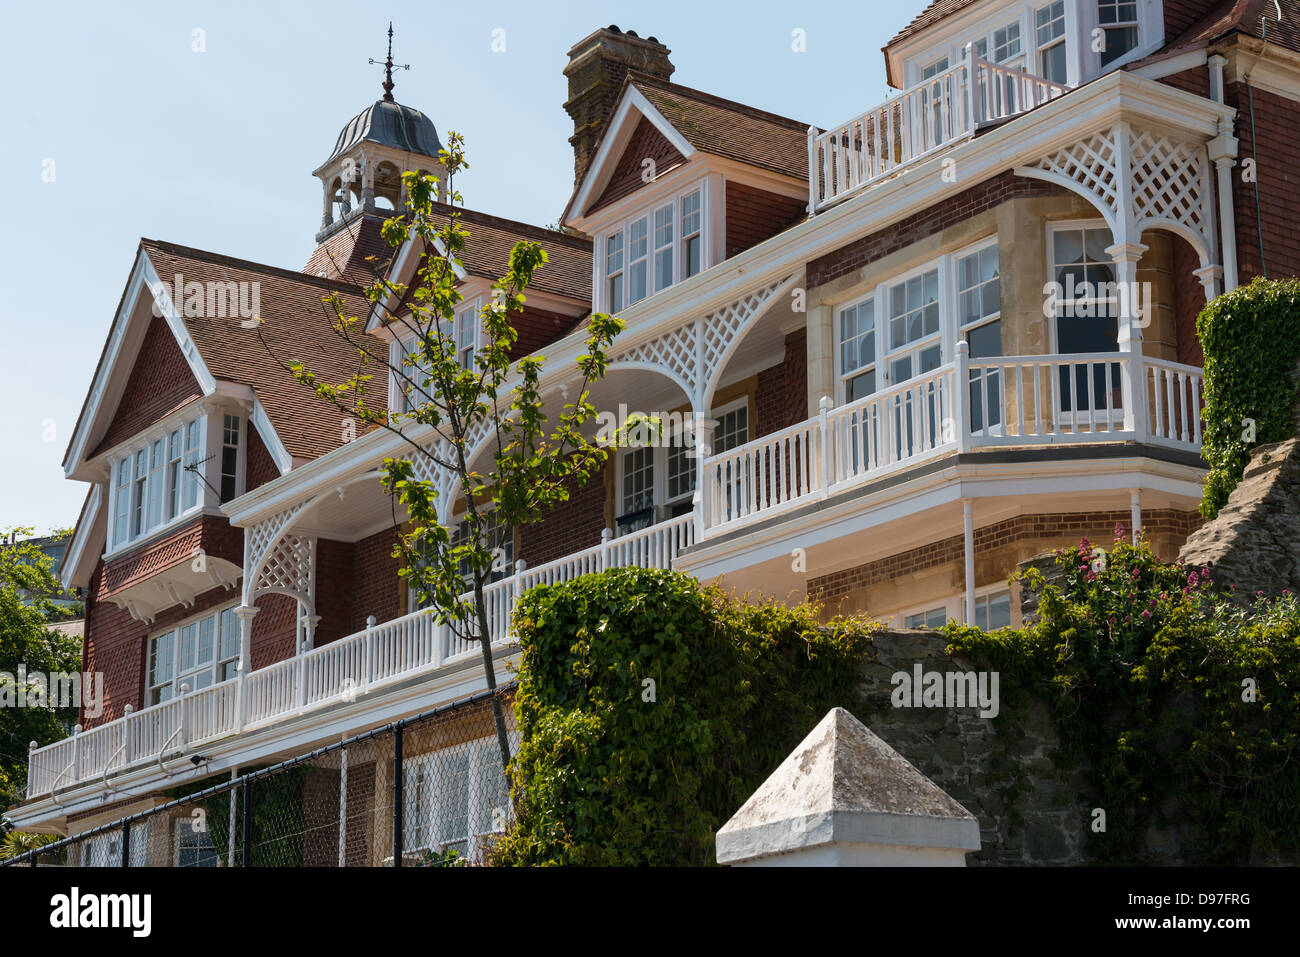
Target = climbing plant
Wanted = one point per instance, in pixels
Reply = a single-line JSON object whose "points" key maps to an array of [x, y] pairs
{"points": [[1251, 340], [650, 707], [1181, 705]]}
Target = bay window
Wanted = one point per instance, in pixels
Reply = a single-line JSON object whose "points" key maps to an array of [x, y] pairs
{"points": [[979, 317], [653, 249], [1086, 308], [200, 652]]}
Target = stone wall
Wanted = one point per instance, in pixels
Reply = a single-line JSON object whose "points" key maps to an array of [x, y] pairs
{"points": [[961, 753]]}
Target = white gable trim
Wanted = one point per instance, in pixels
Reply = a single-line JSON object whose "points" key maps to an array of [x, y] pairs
{"points": [[270, 438], [110, 380], [620, 130], [79, 546], [402, 271]]}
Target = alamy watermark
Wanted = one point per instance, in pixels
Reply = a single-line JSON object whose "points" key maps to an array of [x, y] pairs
{"points": [[211, 300], [36, 689], [1093, 300], [946, 689]]}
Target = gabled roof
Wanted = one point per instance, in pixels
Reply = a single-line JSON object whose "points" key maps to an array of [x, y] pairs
{"points": [[727, 128], [1255, 18], [932, 14], [486, 255], [295, 326], [693, 121]]}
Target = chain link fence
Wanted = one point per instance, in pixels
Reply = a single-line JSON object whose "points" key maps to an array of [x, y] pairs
{"points": [[432, 785]]}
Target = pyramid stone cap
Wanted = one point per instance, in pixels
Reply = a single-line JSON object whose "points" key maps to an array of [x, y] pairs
{"points": [[844, 785]]}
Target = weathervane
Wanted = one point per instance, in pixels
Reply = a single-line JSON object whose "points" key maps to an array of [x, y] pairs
{"points": [[388, 66]]}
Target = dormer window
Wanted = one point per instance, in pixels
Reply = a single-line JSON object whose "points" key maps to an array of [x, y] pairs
{"points": [[1049, 32], [1002, 45], [1118, 20], [156, 480], [653, 249]]}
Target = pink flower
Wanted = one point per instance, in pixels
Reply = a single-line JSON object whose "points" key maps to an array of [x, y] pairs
{"points": [[1146, 614]]}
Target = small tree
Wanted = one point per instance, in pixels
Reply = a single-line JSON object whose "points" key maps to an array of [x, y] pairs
{"points": [[25, 581], [535, 461]]}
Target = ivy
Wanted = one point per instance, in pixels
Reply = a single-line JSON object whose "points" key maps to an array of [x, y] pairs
{"points": [[1181, 707], [1251, 340], [651, 707]]}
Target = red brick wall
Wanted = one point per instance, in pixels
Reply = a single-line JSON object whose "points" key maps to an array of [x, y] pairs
{"points": [[374, 583], [212, 534], [1273, 146], [971, 202], [1189, 300], [334, 574], [570, 526], [1195, 80], [537, 329], [1099, 527], [646, 143], [261, 467], [754, 215], [116, 644], [781, 394], [275, 629], [160, 382]]}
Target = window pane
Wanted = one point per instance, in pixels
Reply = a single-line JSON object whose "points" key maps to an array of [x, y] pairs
{"points": [[453, 796]]}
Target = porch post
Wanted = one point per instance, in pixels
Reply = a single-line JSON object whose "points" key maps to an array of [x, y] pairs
{"points": [[245, 615], [1125, 255], [704, 483], [968, 532], [1222, 152]]}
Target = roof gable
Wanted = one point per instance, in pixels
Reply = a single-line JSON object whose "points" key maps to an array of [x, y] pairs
{"points": [[629, 174], [690, 121]]}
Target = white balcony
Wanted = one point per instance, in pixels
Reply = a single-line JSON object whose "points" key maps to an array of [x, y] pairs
{"points": [[1009, 401], [346, 670], [934, 114]]}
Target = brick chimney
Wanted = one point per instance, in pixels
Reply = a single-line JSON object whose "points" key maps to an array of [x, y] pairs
{"points": [[597, 66]]}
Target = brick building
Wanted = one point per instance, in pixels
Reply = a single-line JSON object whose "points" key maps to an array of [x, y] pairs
{"points": [[902, 355]]}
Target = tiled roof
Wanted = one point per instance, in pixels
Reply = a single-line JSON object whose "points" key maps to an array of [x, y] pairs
{"points": [[726, 128], [296, 326], [487, 253], [932, 14], [344, 253], [1255, 18]]}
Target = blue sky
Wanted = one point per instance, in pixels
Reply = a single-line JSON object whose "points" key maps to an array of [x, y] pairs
{"points": [[215, 149]]}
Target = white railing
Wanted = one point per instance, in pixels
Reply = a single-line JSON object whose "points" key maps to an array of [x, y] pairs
{"points": [[381, 655], [1043, 399], [934, 114], [1008, 400], [1175, 403]]}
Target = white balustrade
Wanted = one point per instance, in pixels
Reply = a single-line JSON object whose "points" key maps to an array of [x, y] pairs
{"points": [[929, 116], [381, 655], [1175, 403]]}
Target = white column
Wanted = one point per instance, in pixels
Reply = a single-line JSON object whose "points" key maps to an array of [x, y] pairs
{"points": [[309, 623], [1125, 256], [968, 532], [1222, 151], [1135, 512], [1211, 278], [245, 614], [705, 487]]}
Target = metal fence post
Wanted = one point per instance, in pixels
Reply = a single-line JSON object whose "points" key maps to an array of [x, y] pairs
{"points": [[397, 796], [247, 823], [126, 843]]}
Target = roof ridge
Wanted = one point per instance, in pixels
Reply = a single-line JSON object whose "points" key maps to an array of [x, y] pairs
{"points": [[541, 232], [224, 259], [635, 77]]}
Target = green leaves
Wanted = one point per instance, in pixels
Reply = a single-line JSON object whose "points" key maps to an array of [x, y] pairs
{"points": [[1251, 341], [639, 706]]}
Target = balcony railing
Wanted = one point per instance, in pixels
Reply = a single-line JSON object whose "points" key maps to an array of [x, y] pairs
{"points": [[1011, 400], [933, 114], [380, 656]]}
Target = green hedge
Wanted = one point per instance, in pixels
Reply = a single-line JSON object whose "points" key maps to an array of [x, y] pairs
{"points": [[1251, 340], [651, 707]]}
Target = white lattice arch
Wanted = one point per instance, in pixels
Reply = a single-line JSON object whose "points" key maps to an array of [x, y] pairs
{"points": [[641, 365], [273, 556], [1139, 180], [674, 354], [725, 329]]}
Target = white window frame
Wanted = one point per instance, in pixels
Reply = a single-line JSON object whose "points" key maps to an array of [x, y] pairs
{"points": [[964, 328], [659, 451], [425, 774], [946, 265], [147, 509], [955, 605], [215, 666], [1063, 40], [647, 211], [468, 315], [184, 826], [1065, 417]]}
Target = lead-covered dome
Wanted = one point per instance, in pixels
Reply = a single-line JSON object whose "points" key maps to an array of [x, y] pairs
{"points": [[389, 123]]}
